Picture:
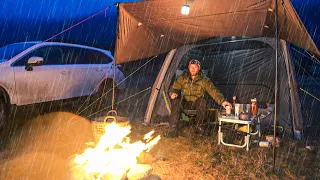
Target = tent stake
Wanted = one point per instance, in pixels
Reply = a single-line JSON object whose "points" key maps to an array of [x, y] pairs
{"points": [[276, 89]]}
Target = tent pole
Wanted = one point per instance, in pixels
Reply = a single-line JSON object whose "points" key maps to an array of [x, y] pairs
{"points": [[294, 98], [157, 85], [275, 89], [113, 84], [114, 62]]}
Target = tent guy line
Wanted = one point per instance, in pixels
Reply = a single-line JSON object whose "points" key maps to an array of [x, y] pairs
{"points": [[312, 57], [307, 73], [118, 84], [144, 90], [303, 90], [68, 122], [104, 10]]}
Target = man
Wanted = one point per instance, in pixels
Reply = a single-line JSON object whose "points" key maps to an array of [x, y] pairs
{"points": [[192, 86]]}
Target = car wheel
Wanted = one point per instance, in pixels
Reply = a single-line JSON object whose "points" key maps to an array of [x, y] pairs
{"points": [[3, 113]]}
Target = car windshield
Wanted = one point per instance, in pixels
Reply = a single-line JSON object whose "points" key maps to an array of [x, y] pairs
{"points": [[9, 51]]}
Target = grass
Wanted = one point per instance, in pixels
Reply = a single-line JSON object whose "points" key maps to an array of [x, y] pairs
{"points": [[195, 157], [188, 157]]}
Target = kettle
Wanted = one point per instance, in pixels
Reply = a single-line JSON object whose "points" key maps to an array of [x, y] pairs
{"points": [[244, 116]]}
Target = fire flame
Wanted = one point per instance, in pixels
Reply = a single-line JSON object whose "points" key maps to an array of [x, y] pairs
{"points": [[114, 151]]}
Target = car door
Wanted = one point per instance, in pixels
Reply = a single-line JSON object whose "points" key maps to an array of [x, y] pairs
{"points": [[47, 82], [87, 70]]}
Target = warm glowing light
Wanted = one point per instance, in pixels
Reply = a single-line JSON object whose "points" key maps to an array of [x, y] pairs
{"points": [[114, 152], [185, 9]]}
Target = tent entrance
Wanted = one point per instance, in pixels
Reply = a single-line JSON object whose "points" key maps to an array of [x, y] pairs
{"points": [[243, 67]]}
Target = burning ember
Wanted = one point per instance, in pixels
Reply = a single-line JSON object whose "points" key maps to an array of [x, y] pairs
{"points": [[113, 155]]}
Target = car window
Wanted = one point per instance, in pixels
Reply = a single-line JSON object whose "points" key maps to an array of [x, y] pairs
{"points": [[87, 56], [52, 55]]}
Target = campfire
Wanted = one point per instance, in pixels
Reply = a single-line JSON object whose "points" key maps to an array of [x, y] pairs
{"points": [[114, 156]]}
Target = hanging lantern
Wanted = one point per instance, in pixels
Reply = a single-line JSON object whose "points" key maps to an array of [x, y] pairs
{"points": [[185, 9]]}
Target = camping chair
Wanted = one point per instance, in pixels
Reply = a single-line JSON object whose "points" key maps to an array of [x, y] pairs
{"points": [[188, 115]]}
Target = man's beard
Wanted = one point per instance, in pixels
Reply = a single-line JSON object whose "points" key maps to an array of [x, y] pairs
{"points": [[193, 73]]}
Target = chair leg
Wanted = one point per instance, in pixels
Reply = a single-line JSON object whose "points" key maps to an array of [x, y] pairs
{"points": [[219, 133]]}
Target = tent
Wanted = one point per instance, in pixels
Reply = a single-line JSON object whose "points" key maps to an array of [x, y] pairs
{"points": [[238, 66], [245, 66], [157, 26]]}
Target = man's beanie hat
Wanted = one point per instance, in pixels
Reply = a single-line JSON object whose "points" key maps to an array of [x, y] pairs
{"points": [[194, 61]]}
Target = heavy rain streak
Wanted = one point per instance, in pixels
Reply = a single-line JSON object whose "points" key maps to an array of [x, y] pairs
{"points": [[159, 89]]}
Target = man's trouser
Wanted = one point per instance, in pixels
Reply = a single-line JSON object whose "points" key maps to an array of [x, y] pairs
{"points": [[179, 104]]}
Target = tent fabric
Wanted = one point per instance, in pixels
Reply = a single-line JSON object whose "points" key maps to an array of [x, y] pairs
{"points": [[245, 68], [156, 26]]}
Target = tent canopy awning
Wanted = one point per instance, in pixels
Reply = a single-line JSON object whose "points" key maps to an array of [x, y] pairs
{"points": [[156, 26]]}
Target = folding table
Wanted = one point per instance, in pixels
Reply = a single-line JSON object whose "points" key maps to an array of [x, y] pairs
{"points": [[232, 119]]}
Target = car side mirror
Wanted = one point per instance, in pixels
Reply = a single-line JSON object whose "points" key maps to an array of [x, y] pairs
{"points": [[120, 67], [33, 61]]}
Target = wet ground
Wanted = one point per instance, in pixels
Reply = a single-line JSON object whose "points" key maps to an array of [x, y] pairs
{"points": [[37, 144]]}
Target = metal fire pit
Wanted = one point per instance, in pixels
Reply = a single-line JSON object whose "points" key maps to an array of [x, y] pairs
{"points": [[98, 126]]}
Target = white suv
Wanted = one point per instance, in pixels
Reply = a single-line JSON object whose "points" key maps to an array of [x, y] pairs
{"points": [[34, 72]]}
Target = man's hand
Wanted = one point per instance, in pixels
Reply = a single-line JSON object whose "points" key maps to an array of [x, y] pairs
{"points": [[226, 103], [174, 95]]}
